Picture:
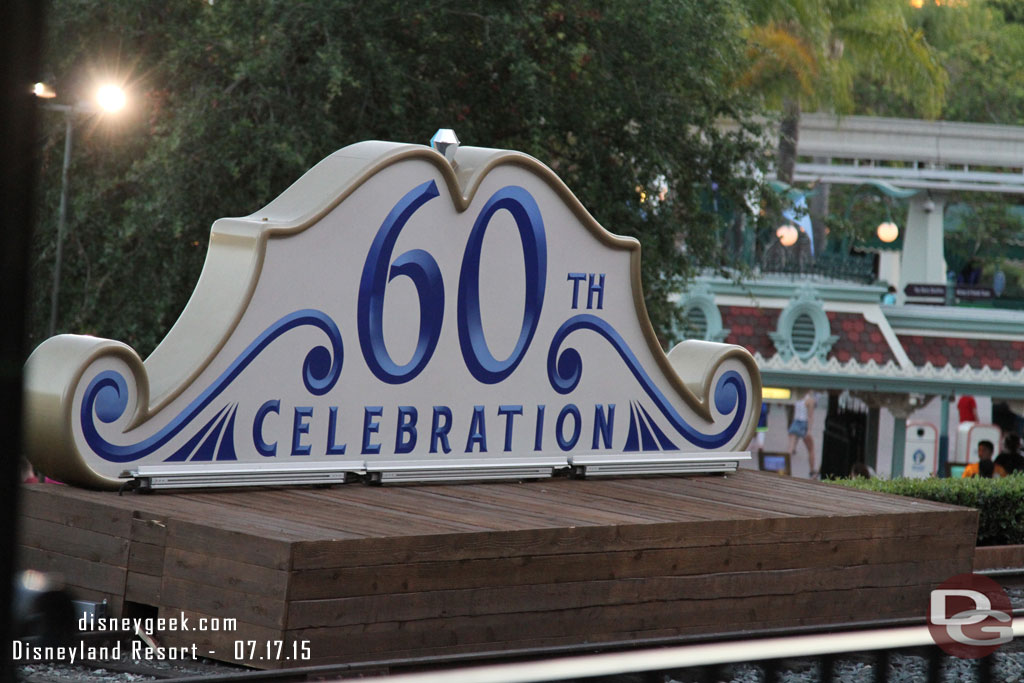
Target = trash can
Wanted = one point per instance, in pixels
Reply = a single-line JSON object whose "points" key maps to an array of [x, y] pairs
{"points": [[967, 438], [921, 455]]}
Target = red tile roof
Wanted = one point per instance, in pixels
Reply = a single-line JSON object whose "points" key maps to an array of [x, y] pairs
{"points": [[858, 339], [749, 327], [960, 351], [862, 341]]}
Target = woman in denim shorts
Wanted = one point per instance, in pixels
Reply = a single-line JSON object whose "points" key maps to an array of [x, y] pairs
{"points": [[800, 429]]}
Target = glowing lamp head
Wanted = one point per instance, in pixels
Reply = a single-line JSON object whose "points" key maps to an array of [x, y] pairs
{"points": [[111, 98], [787, 234], [43, 90], [888, 232]]}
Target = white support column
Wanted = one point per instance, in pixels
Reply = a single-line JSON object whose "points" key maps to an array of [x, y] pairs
{"points": [[889, 267], [924, 260]]}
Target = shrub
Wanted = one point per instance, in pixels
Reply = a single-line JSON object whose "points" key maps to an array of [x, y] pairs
{"points": [[1000, 502]]}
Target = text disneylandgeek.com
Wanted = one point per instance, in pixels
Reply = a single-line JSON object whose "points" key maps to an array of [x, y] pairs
{"points": [[240, 650]]}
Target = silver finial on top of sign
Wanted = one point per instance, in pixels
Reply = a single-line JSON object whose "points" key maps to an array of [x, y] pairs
{"points": [[446, 142]]}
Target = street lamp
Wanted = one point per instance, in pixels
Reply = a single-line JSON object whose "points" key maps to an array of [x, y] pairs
{"points": [[109, 98], [788, 235], [887, 232]]}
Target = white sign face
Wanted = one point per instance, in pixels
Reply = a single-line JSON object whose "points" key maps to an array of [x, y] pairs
{"points": [[391, 316]]}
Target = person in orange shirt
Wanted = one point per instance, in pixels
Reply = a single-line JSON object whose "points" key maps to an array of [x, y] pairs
{"points": [[984, 467]]}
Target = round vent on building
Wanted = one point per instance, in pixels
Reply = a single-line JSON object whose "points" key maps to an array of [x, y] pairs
{"points": [[697, 322], [803, 334]]}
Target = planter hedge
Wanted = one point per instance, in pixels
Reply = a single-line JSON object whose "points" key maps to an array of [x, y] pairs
{"points": [[1000, 502]]}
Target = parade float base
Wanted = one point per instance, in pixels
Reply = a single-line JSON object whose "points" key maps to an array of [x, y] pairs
{"points": [[359, 573]]}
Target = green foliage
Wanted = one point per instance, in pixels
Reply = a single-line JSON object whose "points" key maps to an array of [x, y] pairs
{"points": [[858, 211], [1000, 501], [235, 100], [982, 229], [981, 47], [816, 51]]}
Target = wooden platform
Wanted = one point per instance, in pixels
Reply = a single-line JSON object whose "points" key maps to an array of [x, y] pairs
{"points": [[365, 572]]}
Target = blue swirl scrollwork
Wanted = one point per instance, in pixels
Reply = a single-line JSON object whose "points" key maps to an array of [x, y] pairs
{"points": [[565, 369], [106, 397]]}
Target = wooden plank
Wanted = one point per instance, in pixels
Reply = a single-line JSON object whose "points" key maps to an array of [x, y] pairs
{"points": [[999, 556], [230, 574], [764, 500], [74, 541], [248, 547], [544, 500], [222, 602], [310, 520], [74, 571], [143, 588], [149, 528], [325, 554], [653, 636], [564, 508], [526, 570], [708, 615], [849, 499], [555, 509], [146, 558], [73, 507], [215, 508], [389, 518], [553, 597], [643, 500], [495, 514], [815, 498], [220, 644], [796, 496]]}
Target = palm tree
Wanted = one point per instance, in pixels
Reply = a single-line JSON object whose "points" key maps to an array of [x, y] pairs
{"points": [[808, 53]]}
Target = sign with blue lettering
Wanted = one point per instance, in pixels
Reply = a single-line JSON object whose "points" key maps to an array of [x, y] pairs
{"points": [[398, 315]]}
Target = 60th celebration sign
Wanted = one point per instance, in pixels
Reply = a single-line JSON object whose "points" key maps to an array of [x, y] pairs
{"points": [[404, 316]]}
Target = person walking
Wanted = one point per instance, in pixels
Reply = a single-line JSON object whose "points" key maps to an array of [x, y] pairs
{"points": [[800, 429]]}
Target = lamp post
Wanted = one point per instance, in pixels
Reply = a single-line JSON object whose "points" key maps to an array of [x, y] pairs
{"points": [[887, 232], [109, 98]]}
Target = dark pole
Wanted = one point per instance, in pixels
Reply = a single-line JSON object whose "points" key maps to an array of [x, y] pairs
{"points": [[21, 24], [62, 217]]}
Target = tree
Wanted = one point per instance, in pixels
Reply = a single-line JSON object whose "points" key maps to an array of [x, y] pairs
{"points": [[812, 52], [238, 99], [981, 47]]}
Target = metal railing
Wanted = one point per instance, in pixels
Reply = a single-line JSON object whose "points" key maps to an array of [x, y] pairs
{"points": [[850, 267]]}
